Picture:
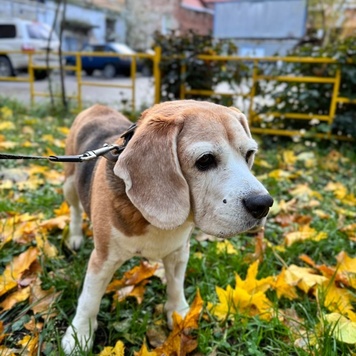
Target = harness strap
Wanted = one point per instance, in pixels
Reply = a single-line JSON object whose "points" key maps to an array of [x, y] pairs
{"points": [[86, 156]]}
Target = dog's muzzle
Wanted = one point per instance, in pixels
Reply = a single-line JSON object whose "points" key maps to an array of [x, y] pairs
{"points": [[258, 205]]}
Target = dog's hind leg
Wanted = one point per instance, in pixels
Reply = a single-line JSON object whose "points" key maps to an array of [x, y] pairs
{"points": [[79, 336], [76, 210]]}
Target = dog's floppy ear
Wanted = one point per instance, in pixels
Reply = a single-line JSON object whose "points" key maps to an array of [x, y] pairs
{"points": [[150, 168], [242, 119]]}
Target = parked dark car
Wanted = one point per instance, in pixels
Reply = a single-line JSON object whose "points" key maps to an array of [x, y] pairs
{"points": [[110, 66]]}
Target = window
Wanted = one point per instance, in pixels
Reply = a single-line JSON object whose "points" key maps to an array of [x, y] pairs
{"points": [[40, 31], [7, 31]]}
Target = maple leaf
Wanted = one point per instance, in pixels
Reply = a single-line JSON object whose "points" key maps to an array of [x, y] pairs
{"points": [[346, 263], [21, 228], [302, 191], [305, 232], [308, 158], [226, 246], [7, 125], [350, 231], [280, 174], [19, 296], [117, 350], [251, 284], [282, 288], [283, 206], [338, 189], [145, 352], [342, 328], [29, 345], [62, 210], [14, 270], [33, 326], [336, 299], [2, 334], [42, 300], [180, 341], [133, 282], [248, 296], [289, 157], [59, 222], [305, 278]]}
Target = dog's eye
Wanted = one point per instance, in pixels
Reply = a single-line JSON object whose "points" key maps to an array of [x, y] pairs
{"points": [[248, 156], [206, 162]]}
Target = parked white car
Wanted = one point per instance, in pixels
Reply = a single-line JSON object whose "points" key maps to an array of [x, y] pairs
{"points": [[26, 36]]}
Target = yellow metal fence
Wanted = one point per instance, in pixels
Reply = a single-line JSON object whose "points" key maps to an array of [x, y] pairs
{"points": [[77, 69], [256, 77], [254, 117]]}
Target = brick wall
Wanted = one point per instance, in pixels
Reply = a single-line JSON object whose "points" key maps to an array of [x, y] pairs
{"points": [[200, 22]]}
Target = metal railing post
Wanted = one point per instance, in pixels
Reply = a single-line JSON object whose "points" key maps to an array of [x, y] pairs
{"points": [[157, 73], [78, 62], [253, 90], [133, 82], [31, 74]]}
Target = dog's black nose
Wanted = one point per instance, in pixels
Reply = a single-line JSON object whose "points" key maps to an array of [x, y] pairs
{"points": [[258, 205]]}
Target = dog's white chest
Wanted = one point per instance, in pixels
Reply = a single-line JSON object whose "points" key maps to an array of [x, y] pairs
{"points": [[155, 244]]}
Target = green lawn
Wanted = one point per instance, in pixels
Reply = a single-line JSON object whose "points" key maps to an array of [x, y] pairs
{"points": [[300, 301]]}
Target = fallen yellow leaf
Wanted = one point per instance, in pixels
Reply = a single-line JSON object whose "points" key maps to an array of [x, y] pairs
{"points": [[41, 300], [7, 125], [304, 278], [337, 188], [16, 297], [29, 345], [14, 270], [305, 232], [343, 329], [282, 288], [117, 350], [226, 247]]}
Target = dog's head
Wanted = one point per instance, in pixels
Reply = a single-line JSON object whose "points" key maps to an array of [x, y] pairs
{"points": [[192, 160]]}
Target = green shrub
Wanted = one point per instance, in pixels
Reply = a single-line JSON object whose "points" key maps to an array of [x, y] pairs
{"points": [[179, 50], [271, 96], [313, 98]]}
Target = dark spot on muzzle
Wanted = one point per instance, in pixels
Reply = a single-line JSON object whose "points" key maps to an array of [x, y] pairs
{"points": [[258, 205]]}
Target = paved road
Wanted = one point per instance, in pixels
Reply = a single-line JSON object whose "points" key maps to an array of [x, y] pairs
{"points": [[116, 97]]}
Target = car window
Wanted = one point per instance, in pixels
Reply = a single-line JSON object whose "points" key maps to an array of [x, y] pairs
{"points": [[40, 31], [99, 48], [87, 48], [122, 48], [7, 31]]}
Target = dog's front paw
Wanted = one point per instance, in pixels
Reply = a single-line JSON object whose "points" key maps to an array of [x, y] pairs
{"points": [[75, 241], [74, 341]]}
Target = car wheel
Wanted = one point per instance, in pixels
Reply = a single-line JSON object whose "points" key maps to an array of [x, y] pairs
{"points": [[109, 71], [89, 71], [5, 67], [41, 74]]}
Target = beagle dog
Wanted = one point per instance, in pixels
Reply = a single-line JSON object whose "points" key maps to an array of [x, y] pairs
{"points": [[187, 164]]}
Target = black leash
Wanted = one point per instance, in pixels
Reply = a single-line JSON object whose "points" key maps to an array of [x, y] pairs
{"points": [[86, 156]]}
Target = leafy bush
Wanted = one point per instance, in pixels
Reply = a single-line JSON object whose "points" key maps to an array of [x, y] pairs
{"points": [[313, 98], [271, 96], [180, 50]]}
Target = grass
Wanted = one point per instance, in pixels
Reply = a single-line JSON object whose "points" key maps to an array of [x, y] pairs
{"points": [[239, 334]]}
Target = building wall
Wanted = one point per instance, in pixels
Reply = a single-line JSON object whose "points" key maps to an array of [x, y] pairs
{"points": [[198, 21], [143, 18], [72, 40]]}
